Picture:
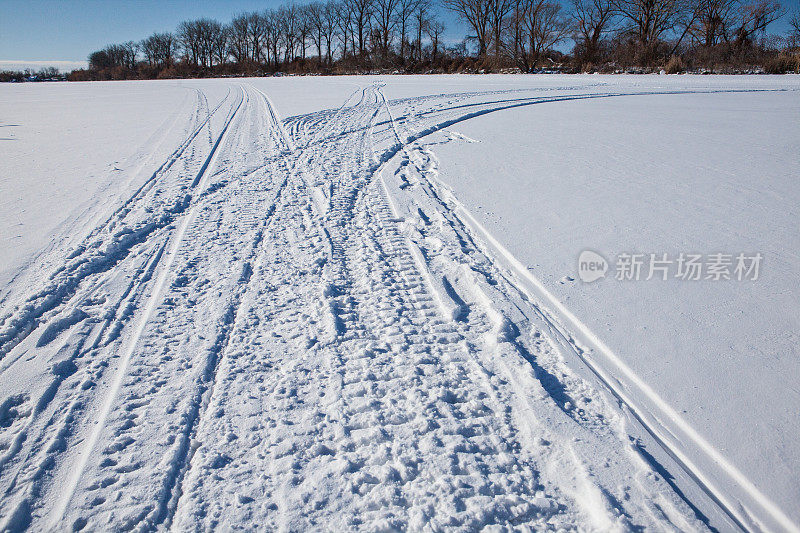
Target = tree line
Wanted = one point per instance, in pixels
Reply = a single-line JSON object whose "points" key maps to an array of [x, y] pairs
{"points": [[349, 36], [29, 74]]}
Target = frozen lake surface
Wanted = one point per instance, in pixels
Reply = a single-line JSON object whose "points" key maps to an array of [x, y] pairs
{"points": [[355, 302]]}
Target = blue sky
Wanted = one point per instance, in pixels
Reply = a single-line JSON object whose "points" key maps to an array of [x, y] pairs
{"points": [[68, 30]]}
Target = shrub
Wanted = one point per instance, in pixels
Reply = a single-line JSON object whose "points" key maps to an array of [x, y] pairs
{"points": [[782, 64], [675, 65], [82, 75]]}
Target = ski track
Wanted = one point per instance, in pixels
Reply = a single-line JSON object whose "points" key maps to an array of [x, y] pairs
{"points": [[293, 325]]}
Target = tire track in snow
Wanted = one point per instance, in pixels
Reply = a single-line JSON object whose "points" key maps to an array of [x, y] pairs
{"points": [[357, 376], [499, 334], [232, 317], [17, 325], [410, 280], [155, 297], [337, 426], [52, 413], [282, 207], [180, 373], [567, 335]]}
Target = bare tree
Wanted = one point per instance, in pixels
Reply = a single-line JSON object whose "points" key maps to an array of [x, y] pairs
{"points": [[304, 28], [272, 34], [99, 60], [189, 41], [592, 20], [213, 42], [239, 38], [362, 12], [344, 22], [130, 50], [434, 30], [288, 25], [201, 40], [498, 13], [794, 28], [219, 44], [547, 26], [167, 49], [405, 9], [794, 22], [159, 49], [329, 28], [316, 18], [522, 30], [385, 22], [476, 13], [711, 20], [648, 20], [114, 56], [541, 25], [148, 49], [258, 26], [322, 18], [754, 17], [420, 19], [516, 31]]}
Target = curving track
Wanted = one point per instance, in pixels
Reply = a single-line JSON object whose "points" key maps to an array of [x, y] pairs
{"points": [[292, 325]]}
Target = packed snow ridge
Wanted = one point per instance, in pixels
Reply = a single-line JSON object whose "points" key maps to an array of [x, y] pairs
{"points": [[296, 325]]}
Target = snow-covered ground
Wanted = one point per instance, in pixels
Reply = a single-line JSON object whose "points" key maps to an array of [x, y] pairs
{"points": [[69, 148], [367, 314], [685, 173]]}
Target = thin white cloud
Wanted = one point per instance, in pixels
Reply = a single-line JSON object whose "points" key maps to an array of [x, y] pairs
{"points": [[63, 66]]}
